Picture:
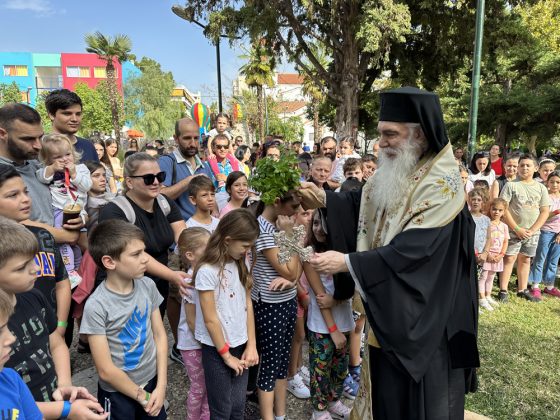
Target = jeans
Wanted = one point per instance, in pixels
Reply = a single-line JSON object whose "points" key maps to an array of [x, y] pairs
{"points": [[225, 390], [545, 262]]}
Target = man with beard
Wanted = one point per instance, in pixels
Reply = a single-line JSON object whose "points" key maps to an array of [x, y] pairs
{"points": [[20, 143], [180, 168], [182, 165], [409, 241]]}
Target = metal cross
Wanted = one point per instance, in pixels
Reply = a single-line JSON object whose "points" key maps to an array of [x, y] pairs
{"points": [[290, 245]]}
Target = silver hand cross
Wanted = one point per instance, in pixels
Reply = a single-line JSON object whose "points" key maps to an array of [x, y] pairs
{"points": [[290, 245]]}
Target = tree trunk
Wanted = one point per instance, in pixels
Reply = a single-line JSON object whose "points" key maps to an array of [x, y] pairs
{"points": [[260, 113], [346, 66], [316, 126], [531, 145], [113, 98], [502, 128]]}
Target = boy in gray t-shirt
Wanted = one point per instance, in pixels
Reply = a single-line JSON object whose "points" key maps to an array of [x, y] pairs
{"points": [[124, 326]]}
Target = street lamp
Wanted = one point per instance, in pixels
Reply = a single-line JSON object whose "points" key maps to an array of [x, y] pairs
{"points": [[188, 15]]}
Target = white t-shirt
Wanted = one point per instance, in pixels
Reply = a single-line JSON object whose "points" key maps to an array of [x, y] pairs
{"points": [[211, 227], [231, 304], [490, 178], [341, 311], [185, 337], [482, 223]]}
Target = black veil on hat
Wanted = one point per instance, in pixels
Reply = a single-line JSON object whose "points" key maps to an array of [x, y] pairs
{"points": [[413, 105]]}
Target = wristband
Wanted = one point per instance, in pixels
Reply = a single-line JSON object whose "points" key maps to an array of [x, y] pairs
{"points": [[516, 228], [224, 349], [66, 410], [146, 399], [333, 328], [62, 324]]}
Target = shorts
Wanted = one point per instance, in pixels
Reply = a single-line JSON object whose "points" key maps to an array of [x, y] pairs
{"points": [[527, 247]]}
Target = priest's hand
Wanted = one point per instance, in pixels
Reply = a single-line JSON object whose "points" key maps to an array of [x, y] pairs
{"points": [[311, 196], [329, 262]]}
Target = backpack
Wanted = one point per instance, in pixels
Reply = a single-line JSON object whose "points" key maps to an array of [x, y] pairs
{"points": [[122, 202], [173, 168]]}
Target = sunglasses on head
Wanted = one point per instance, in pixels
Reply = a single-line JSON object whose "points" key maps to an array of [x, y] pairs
{"points": [[221, 146], [150, 178]]}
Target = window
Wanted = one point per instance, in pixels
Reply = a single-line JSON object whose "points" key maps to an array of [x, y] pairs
{"points": [[99, 72], [77, 71], [15, 70]]}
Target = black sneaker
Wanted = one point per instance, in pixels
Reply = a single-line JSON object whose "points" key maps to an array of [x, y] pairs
{"points": [[526, 294], [175, 355], [503, 296]]}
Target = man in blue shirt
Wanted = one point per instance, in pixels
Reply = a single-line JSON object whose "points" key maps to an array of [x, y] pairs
{"points": [[65, 111], [182, 165]]}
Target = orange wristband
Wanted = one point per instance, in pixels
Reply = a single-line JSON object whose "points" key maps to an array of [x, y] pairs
{"points": [[224, 349], [333, 328]]}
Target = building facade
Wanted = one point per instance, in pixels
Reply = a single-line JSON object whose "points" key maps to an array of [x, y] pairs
{"points": [[35, 73]]}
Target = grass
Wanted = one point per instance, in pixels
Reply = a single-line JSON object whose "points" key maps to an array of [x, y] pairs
{"points": [[519, 375]]}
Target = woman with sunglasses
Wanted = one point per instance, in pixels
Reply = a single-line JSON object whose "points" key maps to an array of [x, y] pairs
{"points": [[142, 185]]}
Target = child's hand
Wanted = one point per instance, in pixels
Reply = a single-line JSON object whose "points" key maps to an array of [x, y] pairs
{"points": [[279, 284], [234, 363], [285, 223], [57, 166], [250, 357], [325, 301], [221, 177], [339, 339], [72, 169], [157, 397]]}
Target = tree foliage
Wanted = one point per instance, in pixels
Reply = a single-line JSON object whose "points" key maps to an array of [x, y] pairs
{"points": [[9, 93], [148, 103]]}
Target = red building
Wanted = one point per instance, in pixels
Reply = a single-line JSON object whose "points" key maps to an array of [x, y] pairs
{"points": [[85, 68]]}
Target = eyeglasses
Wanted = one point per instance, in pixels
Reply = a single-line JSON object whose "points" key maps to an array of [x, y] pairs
{"points": [[221, 146], [150, 178]]}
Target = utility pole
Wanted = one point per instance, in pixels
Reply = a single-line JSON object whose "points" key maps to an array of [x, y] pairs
{"points": [[475, 84]]}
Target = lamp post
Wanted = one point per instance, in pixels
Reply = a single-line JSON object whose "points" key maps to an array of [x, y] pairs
{"points": [[475, 83], [186, 14]]}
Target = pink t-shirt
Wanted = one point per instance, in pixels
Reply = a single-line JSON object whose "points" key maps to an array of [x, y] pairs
{"points": [[498, 234], [552, 224]]}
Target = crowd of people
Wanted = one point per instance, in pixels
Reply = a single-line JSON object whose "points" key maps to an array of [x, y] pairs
{"points": [[114, 243]]}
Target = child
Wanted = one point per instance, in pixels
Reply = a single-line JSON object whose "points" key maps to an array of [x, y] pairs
{"points": [[237, 190], [545, 262], [201, 193], [40, 358], [274, 294], [224, 319], [528, 209], [477, 199], [370, 165], [69, 183], [510, 173], [52, 279], [122, 320], [222, 124], [467, 183], [192, 243], [493, 253], [329, 324], [353, 175], [98, 196], [546, 167], [346, 149], [16, 401]]}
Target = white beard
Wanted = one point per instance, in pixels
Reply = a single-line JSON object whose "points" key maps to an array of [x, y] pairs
{"points": [[391, 180]]}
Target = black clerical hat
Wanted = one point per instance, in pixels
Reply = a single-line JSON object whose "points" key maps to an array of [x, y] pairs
{"points": [[413, 105]]}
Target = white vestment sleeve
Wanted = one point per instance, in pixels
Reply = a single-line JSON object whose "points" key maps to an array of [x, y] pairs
{"points": [[354, 277]]}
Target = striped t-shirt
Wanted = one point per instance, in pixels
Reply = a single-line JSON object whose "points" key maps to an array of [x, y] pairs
{"points": [[263, 272]]}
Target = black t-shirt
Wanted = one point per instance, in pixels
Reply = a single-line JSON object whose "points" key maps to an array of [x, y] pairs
{"points": [[49, 261], [32, 323], [87, 149], [158, 234]]}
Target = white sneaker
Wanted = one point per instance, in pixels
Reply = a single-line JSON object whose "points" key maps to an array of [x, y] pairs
{"points": [[492, 301], [339, 411], [483, 303], [297, 388], [305, 375]]}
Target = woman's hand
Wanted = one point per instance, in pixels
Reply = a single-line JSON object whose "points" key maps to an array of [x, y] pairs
{"points": [[329, 262]]}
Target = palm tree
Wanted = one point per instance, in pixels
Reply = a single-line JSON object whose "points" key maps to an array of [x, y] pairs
{"points": [[109, 49], [258, 72]]}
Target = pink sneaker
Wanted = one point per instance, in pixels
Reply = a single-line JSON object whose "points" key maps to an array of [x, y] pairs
{"points": [[339, 411], [536, 293], [552, 292]]}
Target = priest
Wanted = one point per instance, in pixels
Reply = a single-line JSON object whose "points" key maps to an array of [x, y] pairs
{"points": [[407, 242]]}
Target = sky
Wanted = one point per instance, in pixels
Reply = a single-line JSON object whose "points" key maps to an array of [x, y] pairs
{"points": [[179, 46]]}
